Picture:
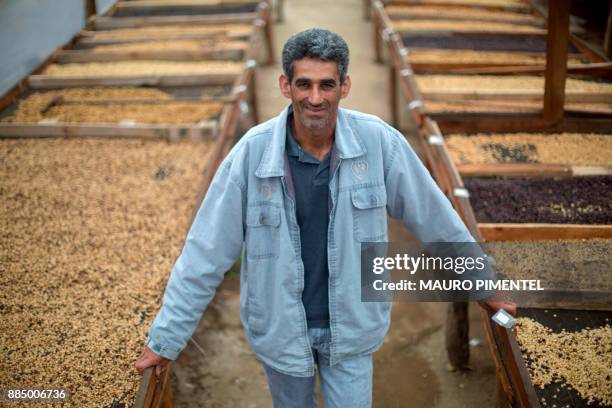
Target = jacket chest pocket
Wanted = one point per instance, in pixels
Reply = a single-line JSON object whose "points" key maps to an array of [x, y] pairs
{"points": [[369, 213], [263, 232]]}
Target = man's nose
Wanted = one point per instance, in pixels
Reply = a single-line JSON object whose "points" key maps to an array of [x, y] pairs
{"points": [[314, 98]]}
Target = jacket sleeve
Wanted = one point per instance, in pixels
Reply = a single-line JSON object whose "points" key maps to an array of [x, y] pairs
{"points": [[212, 245], [414, 197]]}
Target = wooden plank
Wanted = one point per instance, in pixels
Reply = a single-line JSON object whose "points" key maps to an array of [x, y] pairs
{"points": [[393, 97], [556, 61], [489, 122], [109, 23], [530, 170], [68, 81], [227, 125], [519, 376], [164, 4], [89, 41], [146, 390], [60, 100], [542, 232], [585, 124], [591, 171], [366, 9], [265, 16], [91, 9], [161, 398], [178, 54], [450, 94], [476, 5], [599, 69], [280, 10], [514, 169], [485, 122], [442, 14], [376, 35], [252, 98], [591, 51], [505, 395], [457, 335], [457, 324], [436, 32], [604, 305], [608, 35], [206, 129]]}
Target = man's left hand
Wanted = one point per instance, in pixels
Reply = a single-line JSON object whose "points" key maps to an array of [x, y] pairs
{"points": [[493, 305]]}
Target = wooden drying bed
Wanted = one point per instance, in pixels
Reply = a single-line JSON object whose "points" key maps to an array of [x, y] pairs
{"points": [[518, 389], [514, 386], [452, 96], [589, 114], [175, 50], [136, 73], [459, 13], [182, 116], [565, 200], [493, 5], [533, 155], [180, 8], [153, 391], [127, 14], [449, 61], [91, 229], [150, 117], [475, 27]]}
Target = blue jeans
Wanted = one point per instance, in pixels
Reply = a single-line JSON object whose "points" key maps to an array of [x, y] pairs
{"points": [[346, 384]]}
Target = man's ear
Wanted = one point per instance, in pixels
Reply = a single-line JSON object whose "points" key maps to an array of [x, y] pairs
{"points": [[345, 87], [285, 86]]}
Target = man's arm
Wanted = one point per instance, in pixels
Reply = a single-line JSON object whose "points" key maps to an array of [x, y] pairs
{"points": [[415, 198], [213, 243]]}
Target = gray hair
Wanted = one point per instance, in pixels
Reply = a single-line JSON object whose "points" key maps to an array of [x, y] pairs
{"points": [[318, 44]]}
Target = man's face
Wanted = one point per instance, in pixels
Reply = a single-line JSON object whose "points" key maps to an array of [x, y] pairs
{"points": [[315, 92]]}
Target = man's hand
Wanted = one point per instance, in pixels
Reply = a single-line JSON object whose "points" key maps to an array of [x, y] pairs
{"points": [[149, 359], [493, 305]]}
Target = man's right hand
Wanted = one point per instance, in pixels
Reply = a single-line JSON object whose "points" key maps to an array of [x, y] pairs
{"points": [[149, 359]]}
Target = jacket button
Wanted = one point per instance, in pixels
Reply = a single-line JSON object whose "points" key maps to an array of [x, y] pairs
{"points": [[373, 199], [262, 219]]}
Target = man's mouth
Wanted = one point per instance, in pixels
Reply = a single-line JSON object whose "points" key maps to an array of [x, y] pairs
{"points": [[313, 110]]}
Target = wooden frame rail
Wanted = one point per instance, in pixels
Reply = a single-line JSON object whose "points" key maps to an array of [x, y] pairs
{"points": [[209, 53], [530, 170], [110, 23]]}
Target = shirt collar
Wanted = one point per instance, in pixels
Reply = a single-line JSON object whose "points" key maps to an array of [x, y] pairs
{"points": [[295, 150], [347, 145]]}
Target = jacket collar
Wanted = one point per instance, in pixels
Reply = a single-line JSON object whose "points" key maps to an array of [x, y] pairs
{"points": [[347, 144]]}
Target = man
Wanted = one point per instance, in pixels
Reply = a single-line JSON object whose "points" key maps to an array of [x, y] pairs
{"points": [[302, 191]]}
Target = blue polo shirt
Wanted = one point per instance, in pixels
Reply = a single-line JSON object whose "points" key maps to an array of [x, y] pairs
{"points": [[311, 183]]}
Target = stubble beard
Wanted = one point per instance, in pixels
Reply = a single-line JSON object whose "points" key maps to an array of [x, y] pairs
{"points": [[314, 124]]}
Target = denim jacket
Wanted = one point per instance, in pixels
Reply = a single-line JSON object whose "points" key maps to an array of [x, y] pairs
{"points": [[250, 205]]}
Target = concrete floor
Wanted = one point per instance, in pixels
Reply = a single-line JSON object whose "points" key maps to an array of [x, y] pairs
{"points": [[410, 369]]}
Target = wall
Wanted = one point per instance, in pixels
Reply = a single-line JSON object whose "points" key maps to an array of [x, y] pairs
{"points": [[102, 6], [30, 30]]}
